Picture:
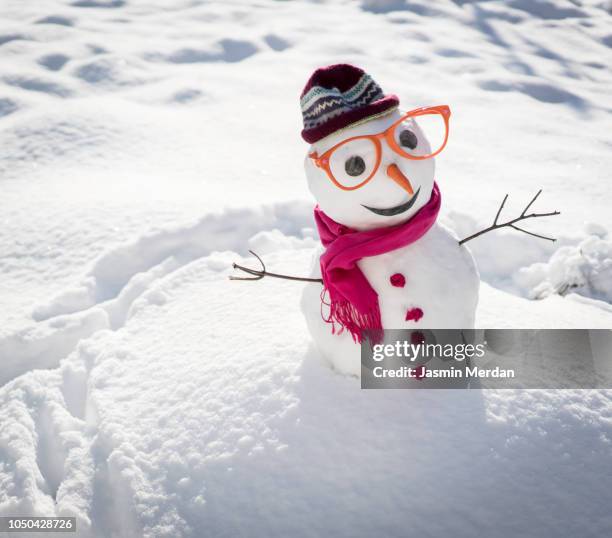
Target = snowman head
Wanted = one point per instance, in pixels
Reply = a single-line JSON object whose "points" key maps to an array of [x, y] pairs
{"points": [[369, 164]]}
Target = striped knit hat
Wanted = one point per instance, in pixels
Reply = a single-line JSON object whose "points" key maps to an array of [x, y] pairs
{"points": [[340, 95]]}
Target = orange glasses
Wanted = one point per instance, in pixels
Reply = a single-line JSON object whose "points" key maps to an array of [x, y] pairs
{"points": [[351, 163]]}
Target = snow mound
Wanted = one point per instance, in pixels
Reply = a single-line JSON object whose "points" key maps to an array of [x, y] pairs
{"points": [[585, 269], [210, 414], [115, 285]]}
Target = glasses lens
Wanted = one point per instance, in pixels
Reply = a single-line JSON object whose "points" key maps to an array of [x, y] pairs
{"points": [[421, 136], [353, 162]]}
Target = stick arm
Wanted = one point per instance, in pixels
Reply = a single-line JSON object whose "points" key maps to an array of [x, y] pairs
{"points": [[512, 223], [258, 274]]}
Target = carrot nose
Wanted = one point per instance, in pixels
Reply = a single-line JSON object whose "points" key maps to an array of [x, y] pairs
{"points": [[396, 175]]}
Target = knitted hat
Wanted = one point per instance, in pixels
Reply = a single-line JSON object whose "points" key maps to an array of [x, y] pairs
{"points": [[340, 95]]}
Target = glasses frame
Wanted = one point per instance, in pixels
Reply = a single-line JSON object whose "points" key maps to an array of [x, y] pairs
{"points": [[322, 161]]}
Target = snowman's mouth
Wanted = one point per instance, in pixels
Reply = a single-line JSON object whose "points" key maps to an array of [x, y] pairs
{"points": [[390, 211]]}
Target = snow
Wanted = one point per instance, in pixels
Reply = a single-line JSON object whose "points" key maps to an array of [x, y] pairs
{"points": [[147, 146], [585, 268], [274, 434]]}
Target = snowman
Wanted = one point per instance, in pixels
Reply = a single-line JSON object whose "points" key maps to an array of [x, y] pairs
{"points": [[385, 261]]}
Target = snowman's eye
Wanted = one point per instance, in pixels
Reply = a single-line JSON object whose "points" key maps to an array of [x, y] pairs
{"points": [[408, 139], [354, 166], [353, 162]]}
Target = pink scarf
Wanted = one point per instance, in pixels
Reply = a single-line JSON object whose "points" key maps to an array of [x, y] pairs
{"points": [[353, 302]]}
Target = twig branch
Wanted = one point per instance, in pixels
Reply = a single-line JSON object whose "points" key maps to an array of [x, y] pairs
{"points": [[530, 203], [500, 209], [258, 274], [511, 223], [531, 233]]}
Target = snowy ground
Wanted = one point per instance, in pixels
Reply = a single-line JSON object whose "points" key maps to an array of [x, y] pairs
{"points": [[147, 145]]}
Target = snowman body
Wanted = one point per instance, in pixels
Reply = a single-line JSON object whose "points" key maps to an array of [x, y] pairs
{"points": [[439, 291]]}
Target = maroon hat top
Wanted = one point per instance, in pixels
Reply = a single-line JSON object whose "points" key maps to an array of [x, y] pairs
{"points": [[337, 96]]}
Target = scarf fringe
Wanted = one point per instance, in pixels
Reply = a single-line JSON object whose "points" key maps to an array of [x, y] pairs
{"points": [[343, 316]]}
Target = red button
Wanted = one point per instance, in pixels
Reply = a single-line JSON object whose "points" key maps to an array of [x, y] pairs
{"points": [[398, 280], [417, 337], [414, 314]]}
